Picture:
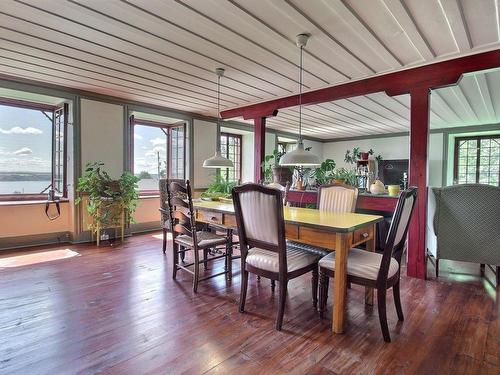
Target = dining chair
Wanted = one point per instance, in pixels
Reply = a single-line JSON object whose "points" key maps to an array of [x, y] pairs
{"points": [[380, 271], [336, 197], [261, 227], [186, 236]]}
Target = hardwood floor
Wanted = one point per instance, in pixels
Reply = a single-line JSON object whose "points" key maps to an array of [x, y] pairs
{"points": [[116, 310]]}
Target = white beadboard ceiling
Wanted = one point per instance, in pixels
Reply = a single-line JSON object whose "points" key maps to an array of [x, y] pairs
{"points": [[165, 53]]}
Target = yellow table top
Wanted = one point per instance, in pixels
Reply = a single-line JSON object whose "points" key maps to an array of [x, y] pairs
{"points": [[326, 220]]}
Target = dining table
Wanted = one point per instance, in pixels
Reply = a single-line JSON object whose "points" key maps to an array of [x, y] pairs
{"points": [[332, 231]]}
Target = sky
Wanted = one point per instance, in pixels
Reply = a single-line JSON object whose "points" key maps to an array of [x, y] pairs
{"points": [[148, 142], [25, 140]]}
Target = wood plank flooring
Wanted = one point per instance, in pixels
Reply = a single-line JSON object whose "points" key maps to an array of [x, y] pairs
{"points": [[116, 310]]}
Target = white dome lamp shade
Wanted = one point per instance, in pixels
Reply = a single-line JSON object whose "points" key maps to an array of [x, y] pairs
{"points": [[218, 161], [300, 157]]}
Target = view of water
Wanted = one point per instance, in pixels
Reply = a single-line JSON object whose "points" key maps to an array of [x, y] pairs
{"points": [[23, 187]]}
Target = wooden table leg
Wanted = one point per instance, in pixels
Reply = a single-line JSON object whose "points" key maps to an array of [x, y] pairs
{"points": [[370, 246], [342, 244]]}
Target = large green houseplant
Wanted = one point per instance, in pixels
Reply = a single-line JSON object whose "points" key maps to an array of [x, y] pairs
{"points": [[116, 196], [273, 172]]}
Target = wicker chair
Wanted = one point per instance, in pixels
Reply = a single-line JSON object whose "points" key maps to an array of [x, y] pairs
{"points": [[380, 271]]}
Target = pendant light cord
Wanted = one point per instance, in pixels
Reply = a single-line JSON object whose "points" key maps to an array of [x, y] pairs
{"points": [[218, 113], [300, 95]]}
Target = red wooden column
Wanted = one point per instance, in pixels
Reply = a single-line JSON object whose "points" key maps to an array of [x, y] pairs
{"points": [[259, 147], [419, 140]]}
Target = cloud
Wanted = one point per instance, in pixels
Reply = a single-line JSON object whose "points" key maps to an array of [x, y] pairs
{"points": [[23, 151], [154, 152], [137, 136], [19, 130], [158, 141]]}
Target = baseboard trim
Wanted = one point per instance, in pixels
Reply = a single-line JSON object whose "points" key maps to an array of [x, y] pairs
{"points": [[17, 242], [10, 243]]}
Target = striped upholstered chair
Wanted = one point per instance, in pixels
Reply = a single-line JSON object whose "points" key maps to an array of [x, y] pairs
{"points": [[380, 271], [337, 198], [264, 252]]}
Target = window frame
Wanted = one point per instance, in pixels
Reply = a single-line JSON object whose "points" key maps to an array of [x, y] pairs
{"points": [[477, 138], [224, 171], [42, 107], [168, 129]]}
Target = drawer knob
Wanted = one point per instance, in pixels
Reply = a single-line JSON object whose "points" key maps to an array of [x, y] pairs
{"points": [[213, 218]]}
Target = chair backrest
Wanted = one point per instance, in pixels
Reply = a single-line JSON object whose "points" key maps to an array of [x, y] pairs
{"points": [[337, 198], [180, 208], [259, 216], [396, 238], [466, 223]]}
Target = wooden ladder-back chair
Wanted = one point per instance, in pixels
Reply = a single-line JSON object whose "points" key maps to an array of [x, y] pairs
{"points": [[186, 237], [380, 271], [261, 228]]}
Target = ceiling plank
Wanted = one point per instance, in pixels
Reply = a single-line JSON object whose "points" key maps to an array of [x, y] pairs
{"points": [[454, 14]]}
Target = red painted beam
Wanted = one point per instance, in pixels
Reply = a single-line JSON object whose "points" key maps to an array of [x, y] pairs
{"points": [[401, 82], [419, 140], [259, 147]]}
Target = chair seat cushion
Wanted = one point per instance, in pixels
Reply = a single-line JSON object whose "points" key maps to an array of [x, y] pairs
{"points": [[205, 239], [269, 260], [361, 263]]}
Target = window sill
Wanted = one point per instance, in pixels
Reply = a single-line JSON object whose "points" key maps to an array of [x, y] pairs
{"points": [[147, 196], [28, 202]]}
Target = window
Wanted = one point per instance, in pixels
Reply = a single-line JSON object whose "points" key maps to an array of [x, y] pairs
{"points": [[477, 160], [152, 142], [33, 150], [230, 147]]}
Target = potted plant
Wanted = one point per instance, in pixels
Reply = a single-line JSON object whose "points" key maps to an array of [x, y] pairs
{"points": [[345, 176], [273, 172], [108, 199], [325, 172], [219, 189]]}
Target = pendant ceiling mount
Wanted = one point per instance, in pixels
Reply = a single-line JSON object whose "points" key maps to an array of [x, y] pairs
{"points": [[300, 157], [218, 161]]}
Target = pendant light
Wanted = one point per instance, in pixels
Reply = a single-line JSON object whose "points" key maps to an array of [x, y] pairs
{"points": [[300, 157], [218, 161]]}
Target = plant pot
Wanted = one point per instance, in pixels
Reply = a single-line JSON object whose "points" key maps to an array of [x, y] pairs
{"points": [[282, 175], [339, 181], [299, 185], [363, 156]]}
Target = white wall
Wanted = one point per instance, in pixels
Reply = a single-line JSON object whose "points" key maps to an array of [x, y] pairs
{"points": [[102, 129], [316, 148], [205, 137], [247, 162], [391, 148]]}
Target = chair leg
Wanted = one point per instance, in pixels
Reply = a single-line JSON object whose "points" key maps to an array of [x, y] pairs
{"points": [[481, 269], [315, 287], [175, 259], [196, 266], [229, 260], [273, 285], [498, 276], [382, 314], [205, 259], [244, 286], [397, 301], [323, 292], [281, 307], [164, 240], [183, 254], [437, 268]]}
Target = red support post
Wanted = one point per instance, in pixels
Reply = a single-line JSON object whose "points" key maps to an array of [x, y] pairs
{"points": [[419, 140], [259, 147]]}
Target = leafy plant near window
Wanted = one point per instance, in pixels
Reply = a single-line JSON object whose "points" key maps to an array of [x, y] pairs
{"points": [[219, 188], [104, 192], [268, 163], [325, 172]]}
